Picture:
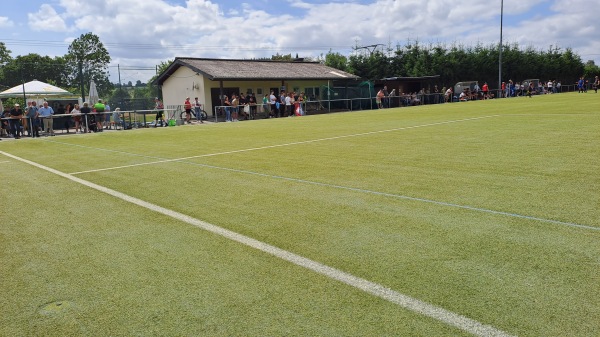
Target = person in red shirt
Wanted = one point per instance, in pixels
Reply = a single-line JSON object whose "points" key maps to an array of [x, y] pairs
{"points": [[485, 90], [187, 105]]}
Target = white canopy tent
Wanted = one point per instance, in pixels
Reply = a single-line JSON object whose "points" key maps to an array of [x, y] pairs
{"points": [[33, 89]]}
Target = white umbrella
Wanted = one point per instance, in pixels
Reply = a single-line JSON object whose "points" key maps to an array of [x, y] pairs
{"points": [[93, 95], [34, 88]]}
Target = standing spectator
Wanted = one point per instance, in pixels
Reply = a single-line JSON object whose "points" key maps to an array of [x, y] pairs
{"points": [[378, 99], [99, 109], [288, 105], [550, 87], [86, 113], [197, 109], [159, 117], [106, 115], [46, 113], [448, 95], [503, 90], [227, 108], [386, 97], [252, 103], [76, 117], [235, 102], [32, 116], [187, 105], [476, 91], [266, 106], [485, 90], [300, 101], [596, 84], [5, 131], [273, 102], [557, 86], [242, 105], [281, 101], [16, 114]]}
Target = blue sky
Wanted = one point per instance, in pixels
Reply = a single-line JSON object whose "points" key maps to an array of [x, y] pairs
{"points": [[142, 33]]}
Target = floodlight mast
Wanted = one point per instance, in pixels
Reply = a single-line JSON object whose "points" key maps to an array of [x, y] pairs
{"points": [[371, 51], [500, 50]]}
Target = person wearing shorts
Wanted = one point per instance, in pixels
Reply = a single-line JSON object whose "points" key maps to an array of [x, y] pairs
{"points": [[99, 109], [158, 105], [187, 105]]}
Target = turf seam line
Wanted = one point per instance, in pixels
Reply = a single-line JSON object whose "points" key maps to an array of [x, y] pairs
{"points": [[163, 160], [398, 196], [405, 301]]}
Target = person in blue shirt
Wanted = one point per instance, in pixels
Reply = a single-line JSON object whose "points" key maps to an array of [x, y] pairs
{"points": [[32, 116], [46, 113]]}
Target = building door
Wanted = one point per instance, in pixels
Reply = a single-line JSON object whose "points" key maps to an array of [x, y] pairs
{"points": [[215, 97]]}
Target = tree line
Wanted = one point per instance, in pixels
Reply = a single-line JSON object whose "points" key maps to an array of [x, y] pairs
{"points": [[87, 59], [456, 63]]}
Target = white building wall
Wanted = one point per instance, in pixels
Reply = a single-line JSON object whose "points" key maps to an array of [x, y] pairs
{"points": [[183, 83], [186, 83]]}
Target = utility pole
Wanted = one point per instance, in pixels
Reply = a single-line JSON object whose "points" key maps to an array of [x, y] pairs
{"points": [[500, 51]]}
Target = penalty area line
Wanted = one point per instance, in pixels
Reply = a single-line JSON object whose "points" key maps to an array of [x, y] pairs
{"points": [[450, 318]]}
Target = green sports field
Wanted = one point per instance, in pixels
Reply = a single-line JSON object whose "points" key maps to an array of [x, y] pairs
{"points": [[476, 218]]}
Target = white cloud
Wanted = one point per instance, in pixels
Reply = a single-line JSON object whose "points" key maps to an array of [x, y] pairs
{"points": [[157, 30], [46, 19], [5, 22]]}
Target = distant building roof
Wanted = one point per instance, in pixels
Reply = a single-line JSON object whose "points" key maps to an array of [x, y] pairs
{"points": [[246, 70]]}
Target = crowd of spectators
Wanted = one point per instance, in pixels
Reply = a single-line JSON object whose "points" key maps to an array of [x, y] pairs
{"points": [[40, 120]]}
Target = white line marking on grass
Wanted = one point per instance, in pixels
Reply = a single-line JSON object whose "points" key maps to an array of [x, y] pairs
{"points": [[162, 160], [4, 162], [407, 302]]}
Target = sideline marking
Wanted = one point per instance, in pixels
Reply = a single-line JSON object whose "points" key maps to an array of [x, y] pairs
{"points": [[162, 160], [405, 301]]}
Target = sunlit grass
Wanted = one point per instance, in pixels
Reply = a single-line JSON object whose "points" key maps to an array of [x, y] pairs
{"points": [[403, 197]]}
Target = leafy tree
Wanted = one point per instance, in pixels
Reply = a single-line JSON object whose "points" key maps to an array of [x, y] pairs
{"points": [[88, 60], [591, 70], [336, 60], [278, 57], [119, 96], [4, 53], [35, 67]]}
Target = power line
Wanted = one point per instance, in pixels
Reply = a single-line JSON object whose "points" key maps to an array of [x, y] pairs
{"points": [[144, 46]]}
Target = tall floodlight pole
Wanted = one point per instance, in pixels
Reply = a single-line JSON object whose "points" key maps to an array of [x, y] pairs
{"points": [[500, 50]]}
